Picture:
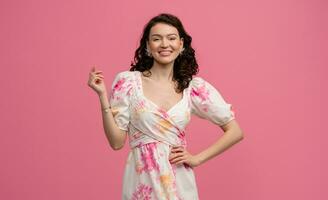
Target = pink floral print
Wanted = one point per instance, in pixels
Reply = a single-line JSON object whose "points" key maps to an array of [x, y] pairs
{"points": [[148, 174], [143, 192], [148, 158], [201, 92]]}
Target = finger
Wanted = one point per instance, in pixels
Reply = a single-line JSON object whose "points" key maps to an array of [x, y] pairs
{"points": [[95, 73], [180, 162], [177, 150], [99, 75], [175, 155], [97, 80], [96, 77], [177, 159], [178, 147]]}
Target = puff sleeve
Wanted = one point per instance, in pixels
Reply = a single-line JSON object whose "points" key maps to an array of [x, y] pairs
{"points": [[208, 103], [120, 99]]}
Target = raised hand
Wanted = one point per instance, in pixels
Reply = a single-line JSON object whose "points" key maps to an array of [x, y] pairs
{"points": [[96, 81]]}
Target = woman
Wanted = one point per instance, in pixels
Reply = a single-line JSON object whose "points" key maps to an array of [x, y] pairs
{"points": [[152, 103]]}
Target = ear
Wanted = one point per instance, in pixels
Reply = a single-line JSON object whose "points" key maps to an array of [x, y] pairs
{"points": [[147, 44], [181, 43]]}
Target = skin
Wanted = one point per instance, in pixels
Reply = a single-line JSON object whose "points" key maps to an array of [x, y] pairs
{"points": [[159, 88], [164, 44], [115, 136]]}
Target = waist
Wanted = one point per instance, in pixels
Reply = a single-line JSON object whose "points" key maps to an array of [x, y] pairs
{"points": [[143, 139]]}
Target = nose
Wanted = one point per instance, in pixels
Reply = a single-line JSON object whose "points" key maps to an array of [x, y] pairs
{"points": [[164, 43]]}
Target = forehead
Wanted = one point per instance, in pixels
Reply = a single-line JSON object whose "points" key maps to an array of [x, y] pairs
{"points": [[163, 29]]}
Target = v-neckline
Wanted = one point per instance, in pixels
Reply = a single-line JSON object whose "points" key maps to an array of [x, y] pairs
{"points": [[154, 104]]}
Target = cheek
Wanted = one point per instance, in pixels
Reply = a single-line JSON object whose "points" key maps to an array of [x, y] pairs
{"points": [[176, 45], [154, 45]]}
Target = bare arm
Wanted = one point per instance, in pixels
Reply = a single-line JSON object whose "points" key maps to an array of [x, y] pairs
{"points": [[217, 111], [232, 134], [115, 136]]}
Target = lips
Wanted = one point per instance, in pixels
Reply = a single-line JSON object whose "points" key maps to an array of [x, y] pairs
{"points": [[164, 53]]}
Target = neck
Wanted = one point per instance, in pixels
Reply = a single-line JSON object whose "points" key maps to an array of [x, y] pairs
{"points": [[161, 72]]}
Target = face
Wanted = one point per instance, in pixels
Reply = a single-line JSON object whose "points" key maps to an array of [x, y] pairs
{"points": [[164, 43]]}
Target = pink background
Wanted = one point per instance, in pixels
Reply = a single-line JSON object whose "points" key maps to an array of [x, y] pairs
{"points": [[267, 57]]}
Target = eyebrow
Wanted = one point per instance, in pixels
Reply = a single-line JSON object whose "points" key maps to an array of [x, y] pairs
{"points": [[161, 35]]}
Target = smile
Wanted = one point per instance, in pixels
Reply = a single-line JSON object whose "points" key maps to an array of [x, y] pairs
{"points": [[165, 53]]}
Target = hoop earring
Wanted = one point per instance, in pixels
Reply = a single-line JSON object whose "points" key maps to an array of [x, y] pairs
{"points": [[181, 52], [148, 53]]}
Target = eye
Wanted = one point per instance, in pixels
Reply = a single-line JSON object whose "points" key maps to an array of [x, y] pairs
{"points": [[155, 39], [172, 38]]}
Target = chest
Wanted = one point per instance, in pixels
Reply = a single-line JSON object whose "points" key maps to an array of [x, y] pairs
{"points": [[161, 94], [158, 106]]}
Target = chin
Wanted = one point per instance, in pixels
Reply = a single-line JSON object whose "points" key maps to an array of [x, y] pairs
{"points": [[165, 61]]}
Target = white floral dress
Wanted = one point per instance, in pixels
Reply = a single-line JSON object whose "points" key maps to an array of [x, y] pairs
{"points": [[152, 131]]}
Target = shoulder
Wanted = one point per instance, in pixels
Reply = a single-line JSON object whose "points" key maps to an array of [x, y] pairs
{"points": [[123, 79], [199, 86], [196, 80], [125, 74], [199, 82]]}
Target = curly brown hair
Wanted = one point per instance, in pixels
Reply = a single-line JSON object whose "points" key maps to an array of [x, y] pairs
{"points": [[185, 65]]}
